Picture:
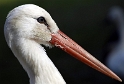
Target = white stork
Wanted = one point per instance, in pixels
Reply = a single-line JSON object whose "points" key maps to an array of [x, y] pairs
{"points": [[28, 26], [115, 58]]}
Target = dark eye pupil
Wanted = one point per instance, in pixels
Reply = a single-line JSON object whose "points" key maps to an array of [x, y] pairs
{"points": [[41, 20]]}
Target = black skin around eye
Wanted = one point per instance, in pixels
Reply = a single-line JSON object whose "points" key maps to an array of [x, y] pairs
{"points": [[42, 20]]}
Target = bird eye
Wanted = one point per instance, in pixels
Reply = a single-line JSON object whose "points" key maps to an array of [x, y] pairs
{"points": [[41, 19]]}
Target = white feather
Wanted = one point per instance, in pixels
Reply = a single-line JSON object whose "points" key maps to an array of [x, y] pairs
{"points": [[24, 35], [115, 59]]}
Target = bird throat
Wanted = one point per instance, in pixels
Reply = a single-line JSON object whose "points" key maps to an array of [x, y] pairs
{"points": [[33, 58]]}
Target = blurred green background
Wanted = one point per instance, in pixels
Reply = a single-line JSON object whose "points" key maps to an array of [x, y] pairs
{"points": [[82, 20]]}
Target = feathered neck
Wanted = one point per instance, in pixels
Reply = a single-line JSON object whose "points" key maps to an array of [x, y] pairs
{"points": [[36, 63], [120, 26]]}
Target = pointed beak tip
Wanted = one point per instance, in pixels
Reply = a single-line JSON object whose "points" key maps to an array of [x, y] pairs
{"points": [[68, 45], [119, 79]]}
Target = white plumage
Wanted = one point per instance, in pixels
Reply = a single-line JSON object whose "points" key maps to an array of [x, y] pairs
{"points": [[27, 27], [115, 59], [23, 33]]}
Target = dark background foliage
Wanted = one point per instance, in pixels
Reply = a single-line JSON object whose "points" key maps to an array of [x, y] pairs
{"points": [[82, 20]]}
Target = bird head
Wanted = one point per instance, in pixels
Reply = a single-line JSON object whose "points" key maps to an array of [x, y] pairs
{"points": [[34, 23], [30, 22], [114, 15]]}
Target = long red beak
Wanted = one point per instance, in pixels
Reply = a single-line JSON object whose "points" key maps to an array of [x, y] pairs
{"points": [[62, 41]]}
